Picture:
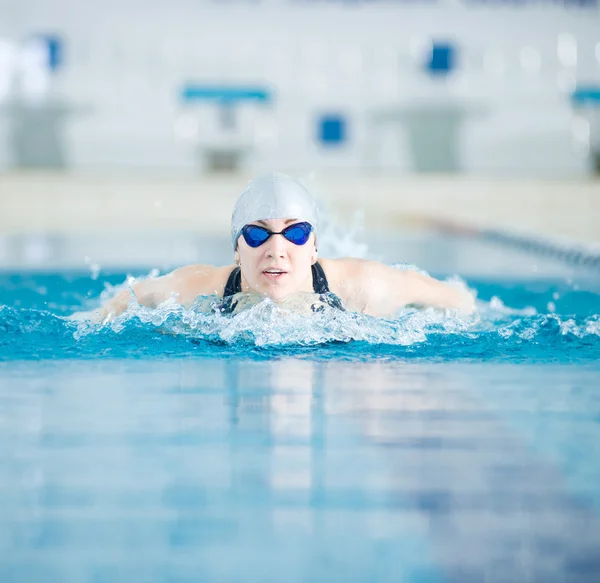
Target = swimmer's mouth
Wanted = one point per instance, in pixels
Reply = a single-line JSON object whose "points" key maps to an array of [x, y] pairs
{"points": [[274, 272]]}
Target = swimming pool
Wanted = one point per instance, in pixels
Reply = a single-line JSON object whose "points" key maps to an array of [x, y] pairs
{"points": [[173, 446]]}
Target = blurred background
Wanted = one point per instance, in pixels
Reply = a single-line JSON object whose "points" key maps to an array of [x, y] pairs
{"points": [[133, 117]]}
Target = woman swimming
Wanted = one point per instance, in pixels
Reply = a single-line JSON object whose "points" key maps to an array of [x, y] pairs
{"points": [[274, 234]]}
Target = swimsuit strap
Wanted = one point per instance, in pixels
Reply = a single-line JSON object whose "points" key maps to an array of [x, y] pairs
{"points": [[320, 283], [234, 283]]}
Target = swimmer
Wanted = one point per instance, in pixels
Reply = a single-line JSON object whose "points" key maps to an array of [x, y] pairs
{"points": [[274, 235]]}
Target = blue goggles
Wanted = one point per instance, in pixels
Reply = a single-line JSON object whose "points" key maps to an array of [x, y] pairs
{"points": [[298, 234]]}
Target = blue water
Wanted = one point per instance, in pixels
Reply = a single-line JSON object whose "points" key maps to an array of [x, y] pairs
{"points": [[176, 446]]}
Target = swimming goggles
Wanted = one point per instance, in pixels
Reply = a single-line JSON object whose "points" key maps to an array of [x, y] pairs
{"points": [[298, 234]]}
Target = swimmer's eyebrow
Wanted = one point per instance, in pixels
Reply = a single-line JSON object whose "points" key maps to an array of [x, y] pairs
{"points": [[287, 222]]}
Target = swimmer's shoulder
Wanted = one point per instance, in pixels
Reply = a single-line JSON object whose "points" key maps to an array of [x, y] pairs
{"points": [[184, 284], [377, 289], [366, 286], [345, 276], [192, 281], [343, 271], [353, 271]]}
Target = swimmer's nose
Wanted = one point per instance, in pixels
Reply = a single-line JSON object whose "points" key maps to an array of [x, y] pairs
{"points": [[276, 246]]}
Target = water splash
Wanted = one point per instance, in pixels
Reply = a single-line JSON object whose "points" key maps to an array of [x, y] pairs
{"points": [[265, 329], [512, 324]]}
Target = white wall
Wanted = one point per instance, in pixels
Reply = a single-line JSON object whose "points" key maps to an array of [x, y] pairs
{"points": [[127, 59]]}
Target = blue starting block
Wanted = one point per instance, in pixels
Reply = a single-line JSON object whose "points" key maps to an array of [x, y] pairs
{"points": [[225, 95], [586, 96], [225, 149]]}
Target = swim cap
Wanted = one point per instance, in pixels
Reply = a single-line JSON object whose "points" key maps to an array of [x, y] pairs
{"points": [[273, 196]]}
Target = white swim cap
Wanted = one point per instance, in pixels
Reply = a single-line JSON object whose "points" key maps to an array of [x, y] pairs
{"points": [[273, 196]]}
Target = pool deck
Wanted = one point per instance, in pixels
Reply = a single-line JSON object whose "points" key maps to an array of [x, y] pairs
{"points": [[58, 203]]}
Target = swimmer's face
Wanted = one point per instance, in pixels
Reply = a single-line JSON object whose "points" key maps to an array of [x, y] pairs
{"points": [[278, 267]]}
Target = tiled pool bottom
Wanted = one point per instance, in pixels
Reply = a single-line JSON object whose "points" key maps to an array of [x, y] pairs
{"points": [[231, 469]]}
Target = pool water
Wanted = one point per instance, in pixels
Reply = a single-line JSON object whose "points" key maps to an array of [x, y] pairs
{"points": [[179, 446], [538, 320]]}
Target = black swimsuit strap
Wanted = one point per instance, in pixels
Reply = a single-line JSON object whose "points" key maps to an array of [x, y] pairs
{"points": [[234, 281], [320, 283]]}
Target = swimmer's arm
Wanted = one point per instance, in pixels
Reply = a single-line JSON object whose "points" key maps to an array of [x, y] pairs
{"points": [[380, 290], [183, 284], [422, 290]]}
